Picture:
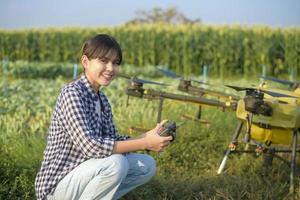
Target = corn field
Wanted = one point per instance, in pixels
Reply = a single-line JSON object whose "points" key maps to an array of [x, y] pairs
{"points": [[226, 50]]}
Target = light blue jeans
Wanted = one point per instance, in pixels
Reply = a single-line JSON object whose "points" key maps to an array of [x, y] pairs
{"points": [[106, 178]]}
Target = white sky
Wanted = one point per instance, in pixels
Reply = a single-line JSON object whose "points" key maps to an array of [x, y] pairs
{"points": [[18, 14]]}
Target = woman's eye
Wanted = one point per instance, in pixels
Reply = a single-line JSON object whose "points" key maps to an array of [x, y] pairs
{"points": [[104, 60], [117, 62]]}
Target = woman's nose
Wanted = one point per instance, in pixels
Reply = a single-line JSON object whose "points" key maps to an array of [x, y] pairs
{"points": [[109, 66]]}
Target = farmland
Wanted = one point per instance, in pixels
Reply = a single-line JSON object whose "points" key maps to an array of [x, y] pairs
{"points": [[35, 64], [186, 169]]}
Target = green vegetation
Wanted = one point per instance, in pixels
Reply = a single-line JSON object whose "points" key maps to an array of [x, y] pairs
{"points": [[186, 169], [25, 69], [185, 48]]}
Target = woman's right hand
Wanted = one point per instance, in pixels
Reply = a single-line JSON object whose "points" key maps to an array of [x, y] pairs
{"points": [[155, 142]]}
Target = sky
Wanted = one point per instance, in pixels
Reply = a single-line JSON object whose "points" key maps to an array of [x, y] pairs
{"points": [[24, 14]]}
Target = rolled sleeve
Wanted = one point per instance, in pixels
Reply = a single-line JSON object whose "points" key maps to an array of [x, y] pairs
{"points": [[122, 137]]}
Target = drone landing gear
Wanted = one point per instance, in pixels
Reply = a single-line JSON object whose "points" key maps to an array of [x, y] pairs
{"points": [[268, 157], [232, 146], [268, 154], [199, 112], [293, 161]]}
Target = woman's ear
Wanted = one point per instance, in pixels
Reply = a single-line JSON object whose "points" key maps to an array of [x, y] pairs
{"points": [[85, 61]]}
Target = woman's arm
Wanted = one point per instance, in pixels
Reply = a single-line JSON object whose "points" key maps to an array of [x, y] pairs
{"points": [[150, 140]]}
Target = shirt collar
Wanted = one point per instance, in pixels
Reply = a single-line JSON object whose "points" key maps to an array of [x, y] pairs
{"points": [[88, 85]]}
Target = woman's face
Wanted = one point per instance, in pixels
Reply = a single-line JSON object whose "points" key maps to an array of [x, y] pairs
{"points": [[100, 71]]}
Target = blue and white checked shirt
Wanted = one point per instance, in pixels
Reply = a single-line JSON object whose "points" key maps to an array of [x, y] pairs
{"points": [[81, 128]]}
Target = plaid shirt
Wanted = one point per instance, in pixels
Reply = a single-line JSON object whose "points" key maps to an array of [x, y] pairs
{"points": [[81, 128]]}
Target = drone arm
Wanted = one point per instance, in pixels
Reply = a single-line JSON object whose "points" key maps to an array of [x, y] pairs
{"points": [[178, 97], [198, 90]]}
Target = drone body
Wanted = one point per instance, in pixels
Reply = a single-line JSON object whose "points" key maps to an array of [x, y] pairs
{"points": [[278, 127]]}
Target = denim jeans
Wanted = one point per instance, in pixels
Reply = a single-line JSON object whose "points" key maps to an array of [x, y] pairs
{"points": [[106, 178]]}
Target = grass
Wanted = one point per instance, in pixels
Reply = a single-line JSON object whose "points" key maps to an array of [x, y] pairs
{"points": [[186, 169]]}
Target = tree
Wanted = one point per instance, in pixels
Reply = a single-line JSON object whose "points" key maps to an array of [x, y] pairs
{"points": [[170, 15]]}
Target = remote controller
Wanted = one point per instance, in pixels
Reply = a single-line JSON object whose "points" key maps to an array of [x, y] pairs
{"points": [[169, 128]]}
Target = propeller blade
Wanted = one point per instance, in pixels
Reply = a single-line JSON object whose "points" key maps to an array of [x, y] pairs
{"points": [[237, 88], [168, 72], [278, 80], [172, 74], [276, 94], [273, 94], [137, 80]]}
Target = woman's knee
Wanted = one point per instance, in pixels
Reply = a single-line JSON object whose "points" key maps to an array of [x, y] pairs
{"points": [[151, 165], [118, 166], [144, 165]]}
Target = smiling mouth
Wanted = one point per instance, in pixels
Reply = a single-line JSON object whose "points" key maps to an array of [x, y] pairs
{"points": [[108, 76]]}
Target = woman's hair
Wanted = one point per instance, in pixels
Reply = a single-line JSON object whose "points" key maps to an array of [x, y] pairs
{"points": [[102, 46]]}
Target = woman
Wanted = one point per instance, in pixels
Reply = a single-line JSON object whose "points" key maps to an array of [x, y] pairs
{"points": [[85, 158]]}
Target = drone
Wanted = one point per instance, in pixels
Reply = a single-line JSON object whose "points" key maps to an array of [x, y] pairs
{"points": [[266, 117], [271, 118]]}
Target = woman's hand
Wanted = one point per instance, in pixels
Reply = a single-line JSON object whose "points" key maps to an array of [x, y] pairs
{"points": [[155, 142]]}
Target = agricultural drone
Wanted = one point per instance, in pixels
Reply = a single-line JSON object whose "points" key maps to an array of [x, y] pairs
{"points": [[268, 118], [272, 118]]}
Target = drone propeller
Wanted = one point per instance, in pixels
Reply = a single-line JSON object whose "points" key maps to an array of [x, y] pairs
{"points": [[141, 81], [172, 74], [148, 82], [285, 82], [168, 72], [273, 94]]}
